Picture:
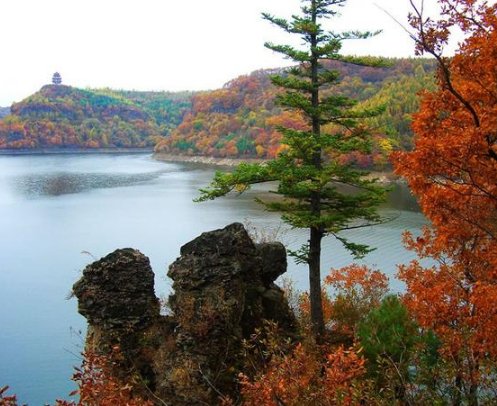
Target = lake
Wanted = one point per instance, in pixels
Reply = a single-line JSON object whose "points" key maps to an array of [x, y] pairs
{"points": [[60, 212]]}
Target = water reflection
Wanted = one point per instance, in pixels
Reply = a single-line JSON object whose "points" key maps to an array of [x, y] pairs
{"points": [[56, 184], [401, 198]]}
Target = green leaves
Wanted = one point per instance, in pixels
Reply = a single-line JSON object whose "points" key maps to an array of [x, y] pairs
{"points": [[372, 61], [297, 101], [388, 334], [292, 82], [280, 22], [329, 49], [357, 250], [239, 180], [289, 51]]}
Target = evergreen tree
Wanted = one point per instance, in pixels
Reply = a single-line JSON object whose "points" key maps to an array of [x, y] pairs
{"points": [[56, 78], [309, 171]]}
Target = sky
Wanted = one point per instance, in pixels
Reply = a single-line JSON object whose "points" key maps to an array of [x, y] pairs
{"points": [[165, 44]]}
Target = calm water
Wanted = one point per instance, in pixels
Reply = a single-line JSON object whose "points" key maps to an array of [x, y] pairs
{"points": [[57, 212]]}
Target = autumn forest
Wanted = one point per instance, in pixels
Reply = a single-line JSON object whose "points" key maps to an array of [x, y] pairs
{"points": [[318, 128], [238, 121]]}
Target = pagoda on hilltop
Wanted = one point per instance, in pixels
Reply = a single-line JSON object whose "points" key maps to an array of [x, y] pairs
{"points": [[56, 78]]}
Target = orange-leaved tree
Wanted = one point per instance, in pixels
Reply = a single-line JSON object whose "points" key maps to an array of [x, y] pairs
{"points": [[350, 293], [453, 172], [329, 374], [304, 377]]}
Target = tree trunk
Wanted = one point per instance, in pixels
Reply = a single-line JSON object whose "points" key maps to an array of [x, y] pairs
{"points": [[459, 390], [473, 395], [316, 232], [317, 319]]}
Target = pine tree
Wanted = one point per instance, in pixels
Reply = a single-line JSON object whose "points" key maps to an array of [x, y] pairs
{"points": [[310, 171], [56, 78]]}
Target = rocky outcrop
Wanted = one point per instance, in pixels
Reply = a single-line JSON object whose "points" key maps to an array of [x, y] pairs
{"points": [[223, 290], [116, 295], [117, 292]]}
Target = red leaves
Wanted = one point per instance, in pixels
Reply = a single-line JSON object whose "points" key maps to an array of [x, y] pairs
{"points": [[453, 172], [304, 378], [97, 385], [7, 400], [323, 375]]}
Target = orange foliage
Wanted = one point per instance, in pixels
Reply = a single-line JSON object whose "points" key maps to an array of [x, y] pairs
{"points": [[372, 284], [229, 121], [97, 386], [356, 290], [453, 172], [288, 119], [453, 169], [304, 378]]}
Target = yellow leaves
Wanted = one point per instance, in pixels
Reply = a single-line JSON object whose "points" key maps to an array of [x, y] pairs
{"points": [[260, 151], [385, 146], [240, 187]]}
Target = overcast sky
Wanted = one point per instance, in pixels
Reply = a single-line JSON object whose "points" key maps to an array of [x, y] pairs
{"points": [[163, 44]]}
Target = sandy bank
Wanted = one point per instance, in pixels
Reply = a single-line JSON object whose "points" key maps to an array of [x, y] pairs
{"points": [[204, 159]]}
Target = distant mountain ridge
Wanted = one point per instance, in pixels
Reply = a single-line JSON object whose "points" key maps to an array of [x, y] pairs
{"points": [[60, 116]]}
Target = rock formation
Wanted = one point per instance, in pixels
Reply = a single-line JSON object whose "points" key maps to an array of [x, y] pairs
{"points": [[223, 290]]}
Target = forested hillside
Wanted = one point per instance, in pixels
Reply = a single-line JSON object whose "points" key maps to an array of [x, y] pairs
{"points": [[60, 116], [238, 120], [241, 119]]}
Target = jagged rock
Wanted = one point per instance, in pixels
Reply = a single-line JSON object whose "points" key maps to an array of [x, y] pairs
{"points": [[223, 290], [118, 291], [274, 264]]}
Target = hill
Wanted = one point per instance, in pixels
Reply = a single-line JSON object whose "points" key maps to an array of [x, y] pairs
{"points": [[241, 119], [60, 116]]}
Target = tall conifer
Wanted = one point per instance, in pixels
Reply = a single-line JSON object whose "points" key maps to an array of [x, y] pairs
{"points": [[310, 172]]}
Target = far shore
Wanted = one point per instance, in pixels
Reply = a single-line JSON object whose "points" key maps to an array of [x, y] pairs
{"points": [[382, 176], [206, 160], [46, 151]]}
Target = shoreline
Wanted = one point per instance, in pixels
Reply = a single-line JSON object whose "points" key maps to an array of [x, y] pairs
{"points": [[385, 177], [63, 151], [204, 160]]}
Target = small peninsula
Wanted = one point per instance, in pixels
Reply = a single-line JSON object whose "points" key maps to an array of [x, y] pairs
{"points": [[62, 117]]}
